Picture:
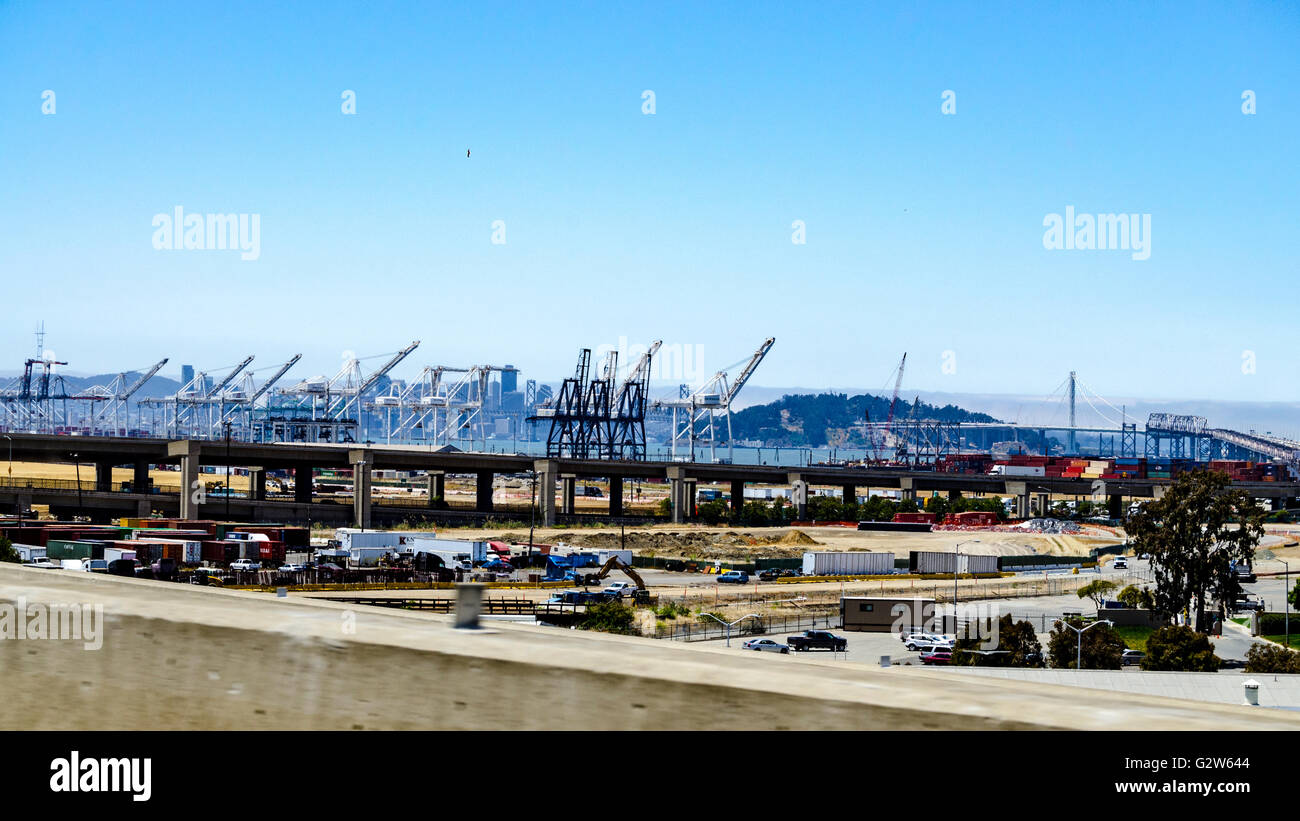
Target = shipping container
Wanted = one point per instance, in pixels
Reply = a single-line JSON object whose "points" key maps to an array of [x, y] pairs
{"points": [[850, 563], [113, 554], [366, 556], [932, 561], [624, 556]]}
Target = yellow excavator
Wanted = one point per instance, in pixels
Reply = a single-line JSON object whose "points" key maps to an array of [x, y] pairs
{"points": [[614, 563]]}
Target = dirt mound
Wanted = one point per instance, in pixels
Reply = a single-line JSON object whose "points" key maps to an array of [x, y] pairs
{"points": [[796, 537]]}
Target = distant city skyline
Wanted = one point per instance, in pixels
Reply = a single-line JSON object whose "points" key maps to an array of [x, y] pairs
{"points": [[1109, 189]]}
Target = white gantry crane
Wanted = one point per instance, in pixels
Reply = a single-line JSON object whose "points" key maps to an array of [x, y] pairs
{"points": [[694, 416], [116, 397]]}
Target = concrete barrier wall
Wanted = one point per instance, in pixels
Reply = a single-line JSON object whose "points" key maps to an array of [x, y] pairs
{"points": [[190, 657]]}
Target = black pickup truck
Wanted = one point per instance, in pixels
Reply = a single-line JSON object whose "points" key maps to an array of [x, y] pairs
{"points": [[817, 640]]}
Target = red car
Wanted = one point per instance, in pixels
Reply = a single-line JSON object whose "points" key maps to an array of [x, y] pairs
{"points": [[937, 657]]}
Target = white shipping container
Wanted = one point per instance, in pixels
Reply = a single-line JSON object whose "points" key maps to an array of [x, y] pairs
{"points": [[349, 538], [112, 554], [30, 553], [852, 563], [624, 556]]}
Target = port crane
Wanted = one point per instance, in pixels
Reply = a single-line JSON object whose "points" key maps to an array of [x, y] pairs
{"points": [[694, 416], [117, 394]]}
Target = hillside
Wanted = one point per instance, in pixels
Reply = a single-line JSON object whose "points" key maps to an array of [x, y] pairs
{"points": [[835, 419]]}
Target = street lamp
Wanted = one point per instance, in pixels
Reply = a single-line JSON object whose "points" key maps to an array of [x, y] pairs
{"points": [[1078, 658], [1286, 600], [956, 566], [732, 624]]}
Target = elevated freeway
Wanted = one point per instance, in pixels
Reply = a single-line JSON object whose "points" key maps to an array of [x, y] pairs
{"points": [[302, 460]]}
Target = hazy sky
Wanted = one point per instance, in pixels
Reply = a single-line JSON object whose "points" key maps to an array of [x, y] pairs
{"points": [[924, 230]]}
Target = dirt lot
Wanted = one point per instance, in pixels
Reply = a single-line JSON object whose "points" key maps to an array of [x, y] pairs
{"points": [[738, 544]]}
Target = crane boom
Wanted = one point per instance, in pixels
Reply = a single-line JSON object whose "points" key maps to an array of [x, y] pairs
{"points": [[230, 377], [749, 369], [266, 386]]}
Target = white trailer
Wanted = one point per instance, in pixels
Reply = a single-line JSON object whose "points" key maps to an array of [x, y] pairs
{"points": [[1017, 470], [366, 556], [934, 561], [624, 556], [848, 563], [421, 543], [30, 553], [112, 554]]}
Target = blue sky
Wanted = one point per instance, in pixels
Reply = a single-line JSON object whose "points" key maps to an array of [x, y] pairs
{"points": [[924, 230]]}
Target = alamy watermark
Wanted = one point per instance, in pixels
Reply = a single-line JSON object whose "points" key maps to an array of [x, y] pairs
{"points": [[1102, 232], [61, 621], [676, 362], [179, 231]]}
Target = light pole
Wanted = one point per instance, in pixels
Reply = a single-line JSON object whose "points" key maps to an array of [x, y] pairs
{"points": [[1078, 657], [956, 567], [11, 456], [1286, 600], [732, 624]]}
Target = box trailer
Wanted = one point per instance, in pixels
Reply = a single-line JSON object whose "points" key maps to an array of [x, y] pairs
{"points": [[350, 537], [1017, 470], [30, 552], [933, 561], [849, 563], [473, 551], [366, 556], [113, 554]]}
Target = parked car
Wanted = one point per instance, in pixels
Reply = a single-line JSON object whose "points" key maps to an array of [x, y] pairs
{"points": [[292, 568], [767, 645], [734, 577], [937, 657], [1247, 604], [498, 566], [1232, 664], [916, 641], [1132, 657], [937, 647], [1120, 563], [245, 564], [818, 640], [771, 574]]}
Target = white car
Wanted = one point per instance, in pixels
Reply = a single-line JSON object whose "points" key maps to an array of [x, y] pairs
{"points": [[768, 645], [918, 640], [1120, 563], [245, 564], [292, 568], [621, 589]]}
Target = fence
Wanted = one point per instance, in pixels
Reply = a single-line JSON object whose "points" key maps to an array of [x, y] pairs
{"points": [[765, 625]]}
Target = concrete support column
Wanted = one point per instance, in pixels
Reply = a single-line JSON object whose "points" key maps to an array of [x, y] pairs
{"points": [[140, 482], [689, 495], [437, 487], [361, 461], [616, 496], [907, 490], [1021, 493], [257, 483], [191, 487], [799, 495], [483, 491], [737, 495], [302, 484], [1043, 501], [103, 476], [677, 493], [568, 489], [143, 510], [546, 472], [849, 494]]}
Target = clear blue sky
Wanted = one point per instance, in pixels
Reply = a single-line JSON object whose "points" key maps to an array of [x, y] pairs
{"points": [[924, 231]]}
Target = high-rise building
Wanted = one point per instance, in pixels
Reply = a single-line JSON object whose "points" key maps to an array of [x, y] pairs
{"points": [[509, 379], [187, 374]]}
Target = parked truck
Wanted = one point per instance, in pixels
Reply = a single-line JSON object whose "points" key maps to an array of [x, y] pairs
{"points": [[1017, 470], [817, 640], [848, 563]]}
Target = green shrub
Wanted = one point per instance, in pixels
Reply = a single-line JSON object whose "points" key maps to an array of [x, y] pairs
{"points": [[1270, 658], [1180, 648], [608, 617]]}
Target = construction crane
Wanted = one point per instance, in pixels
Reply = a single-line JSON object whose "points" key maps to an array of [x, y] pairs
{"points": [[702, 406]]}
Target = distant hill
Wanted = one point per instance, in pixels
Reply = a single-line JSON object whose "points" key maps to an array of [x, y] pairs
{"points": [[158, 386], [835, 419]]}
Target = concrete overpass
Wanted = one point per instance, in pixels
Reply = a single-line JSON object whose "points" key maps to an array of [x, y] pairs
{"points": [[185, 657], [302, 459]]}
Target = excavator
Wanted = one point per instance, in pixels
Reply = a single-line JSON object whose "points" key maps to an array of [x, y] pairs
{"points": [[614, 563]]}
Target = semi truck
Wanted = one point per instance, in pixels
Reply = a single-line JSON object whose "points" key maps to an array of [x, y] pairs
{"points": [[1017, 470]]}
